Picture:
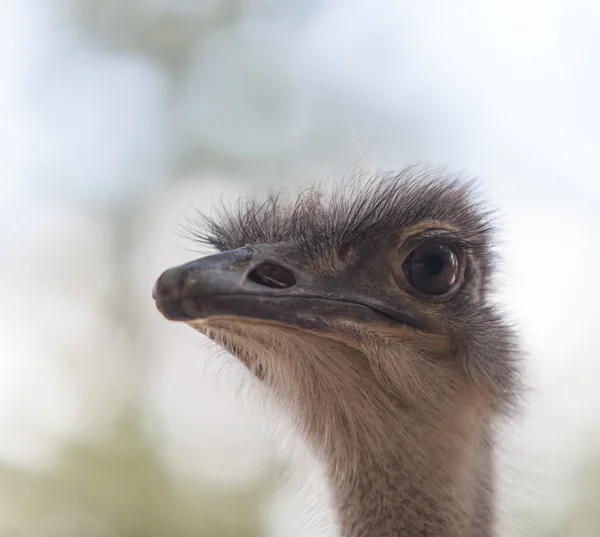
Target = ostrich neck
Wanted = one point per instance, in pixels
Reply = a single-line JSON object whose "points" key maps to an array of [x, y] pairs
{"points": [[416, 487]]}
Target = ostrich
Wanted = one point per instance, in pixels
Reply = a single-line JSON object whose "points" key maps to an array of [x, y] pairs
{"points": [[367, 314]]}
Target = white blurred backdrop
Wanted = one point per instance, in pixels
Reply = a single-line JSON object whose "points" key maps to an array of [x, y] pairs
{"points": [[117, 117]]}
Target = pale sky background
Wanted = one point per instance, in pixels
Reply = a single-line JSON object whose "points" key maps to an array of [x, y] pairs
{"points": [[93, 115]]}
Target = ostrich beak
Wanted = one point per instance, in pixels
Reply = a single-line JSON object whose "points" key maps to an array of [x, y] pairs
{"points": [[245, 284], [187, 292]]}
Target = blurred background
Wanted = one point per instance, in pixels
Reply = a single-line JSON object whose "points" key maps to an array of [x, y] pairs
{"points": [[119, 117]]}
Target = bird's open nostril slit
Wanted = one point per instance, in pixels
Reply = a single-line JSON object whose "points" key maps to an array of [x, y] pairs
{"points": [[272, 275]]}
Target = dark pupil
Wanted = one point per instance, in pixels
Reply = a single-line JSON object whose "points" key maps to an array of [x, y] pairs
{"points": [[432, 268], [433, 264]]}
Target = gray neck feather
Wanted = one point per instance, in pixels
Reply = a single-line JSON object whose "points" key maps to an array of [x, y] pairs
{"points": [[412, 493]]}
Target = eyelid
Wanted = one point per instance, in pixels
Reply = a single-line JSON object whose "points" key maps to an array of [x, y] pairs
{"points": [[442, 236]]}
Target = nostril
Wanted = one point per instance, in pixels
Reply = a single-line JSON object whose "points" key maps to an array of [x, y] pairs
{"points": [[272, 275]]}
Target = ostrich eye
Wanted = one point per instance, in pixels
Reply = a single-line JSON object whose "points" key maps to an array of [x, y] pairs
{"points": [[432, 268]]}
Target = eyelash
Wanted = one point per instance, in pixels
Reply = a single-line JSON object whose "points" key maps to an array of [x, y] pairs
{"points": [[457, 243]]}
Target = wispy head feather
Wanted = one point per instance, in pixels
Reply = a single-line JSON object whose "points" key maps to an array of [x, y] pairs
{"points": [[358, 208]]}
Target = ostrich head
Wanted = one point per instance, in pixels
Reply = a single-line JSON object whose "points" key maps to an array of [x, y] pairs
{"points": [[366, 314]]}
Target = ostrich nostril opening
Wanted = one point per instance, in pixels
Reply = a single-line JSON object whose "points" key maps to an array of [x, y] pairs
{"points": [[272, 275]]}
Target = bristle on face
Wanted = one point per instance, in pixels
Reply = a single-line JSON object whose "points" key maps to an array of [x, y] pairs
{"points": [[321, 224]]}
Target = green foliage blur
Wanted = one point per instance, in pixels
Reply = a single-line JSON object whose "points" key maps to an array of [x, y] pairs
{"points": [[120, 487]]}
